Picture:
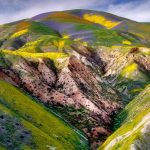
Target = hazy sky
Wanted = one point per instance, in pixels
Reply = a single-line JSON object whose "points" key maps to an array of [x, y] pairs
{"points": [[11, 10]]}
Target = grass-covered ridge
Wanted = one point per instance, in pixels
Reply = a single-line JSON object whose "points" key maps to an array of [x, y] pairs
{"points": [[46, 128], [65, 17], [134, 121], [51, 55]]}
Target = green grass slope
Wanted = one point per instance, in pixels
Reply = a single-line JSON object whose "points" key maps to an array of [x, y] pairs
{"points": [[47, 130], [134, 120]]}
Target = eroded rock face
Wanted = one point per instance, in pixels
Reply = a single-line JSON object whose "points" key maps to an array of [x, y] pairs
{"points": [[144, 63], [73, 91], [10, 77]]}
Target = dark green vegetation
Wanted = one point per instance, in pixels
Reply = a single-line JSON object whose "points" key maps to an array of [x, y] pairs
{"points": [[69, 76]]}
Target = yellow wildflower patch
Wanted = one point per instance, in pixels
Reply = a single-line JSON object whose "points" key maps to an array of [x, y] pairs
{"points": [[59, 44], [85, 43], [100, 20], [66, 36], [19, 33], [30, 46], [77, 39], [51, 55], [126, 42], [136, 90], [128, 70]]}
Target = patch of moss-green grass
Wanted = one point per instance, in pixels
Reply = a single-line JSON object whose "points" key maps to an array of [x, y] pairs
{"points": [[131, 81], [34, 27], [101, 36], [38, 27], [2, 148]]}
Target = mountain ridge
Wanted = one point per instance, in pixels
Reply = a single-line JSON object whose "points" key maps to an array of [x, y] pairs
{"points": [[87, 69]]}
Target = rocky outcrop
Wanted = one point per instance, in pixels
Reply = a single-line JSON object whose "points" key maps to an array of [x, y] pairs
{"points": [[73, 91], [144, 63]]}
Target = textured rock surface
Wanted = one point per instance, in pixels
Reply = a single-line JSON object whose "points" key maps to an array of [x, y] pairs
{"points": [[74, 90]]}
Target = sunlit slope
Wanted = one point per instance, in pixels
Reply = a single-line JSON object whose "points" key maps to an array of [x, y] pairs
{"points": [[14, 36], [135, 125], [46, 130]]}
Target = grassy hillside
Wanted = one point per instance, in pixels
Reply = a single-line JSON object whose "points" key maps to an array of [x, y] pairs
{"points": [[134, 123], [45, 128]]}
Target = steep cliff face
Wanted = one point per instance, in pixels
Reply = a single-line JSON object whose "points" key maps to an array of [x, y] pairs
{"points": [[74, 91], [84, 70]]}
